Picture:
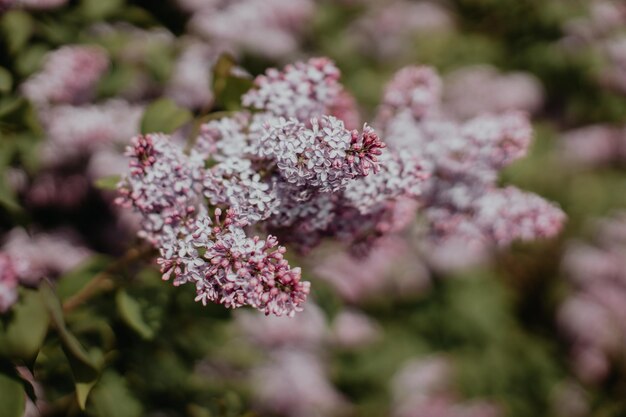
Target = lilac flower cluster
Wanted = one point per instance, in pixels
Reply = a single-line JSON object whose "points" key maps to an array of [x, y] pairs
{"points": [[286, 166], [594, 315], [461, 200], [424, 387], [190, 84], [74, 131], [270, 28], [594, 146], [69, 75], [308, 176], [166, 186]]}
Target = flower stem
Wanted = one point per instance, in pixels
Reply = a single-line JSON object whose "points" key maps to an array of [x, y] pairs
{"points": [[104, 281]]}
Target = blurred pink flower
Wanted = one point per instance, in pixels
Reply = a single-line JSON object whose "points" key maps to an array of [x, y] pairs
{"points": [[424, 387], [191, 80], [74, 131], [42, 255], [389, 267], [294, 383], [479, 89], [307, 330], [594, 146], [69, 75], [353, 329], [269, 28], [593, 318]]}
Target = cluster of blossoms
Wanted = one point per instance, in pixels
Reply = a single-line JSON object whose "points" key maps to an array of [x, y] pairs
{"points": [[166, 186], [594, 316], [270, 28], [424, 387], [461, 200], [594, 146], [26, 260], [289, 167], [69, 75], [281, 168]]}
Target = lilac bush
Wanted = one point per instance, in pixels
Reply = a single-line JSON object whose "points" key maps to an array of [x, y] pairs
{"points": [[286, 167]]}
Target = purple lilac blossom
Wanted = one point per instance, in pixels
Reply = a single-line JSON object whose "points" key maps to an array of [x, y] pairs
{"points": [[294, 383], [74, 131], [166, 186], [190, 83], [594, 146], [302, 90], [461, 199], [352, 329], [269, 28], [42, 255], [69, 75], [593, 316]]}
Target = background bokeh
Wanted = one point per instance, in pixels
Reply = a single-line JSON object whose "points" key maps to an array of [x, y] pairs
{"points": [[535, 329]]}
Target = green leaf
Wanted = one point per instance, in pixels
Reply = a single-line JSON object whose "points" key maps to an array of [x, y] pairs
{"points": [[228, 88], [17, 27], [7, 198], [29, 60], [107, 183], [85, 367], [130, 311], [12, 395], [6, 80], [164, 116], [112, 398], [27, 327], [95, 10], [72, 282]]}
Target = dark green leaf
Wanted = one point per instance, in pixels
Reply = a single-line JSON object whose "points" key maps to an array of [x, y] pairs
{"points": [[27, 327], [112, 398], [130, 311], [95, 10], [164, 116], [29, 60], [85, 367], [77, 278], [8, 200], [228, 88], [6, 80], [12, 395], [17, 27]]}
